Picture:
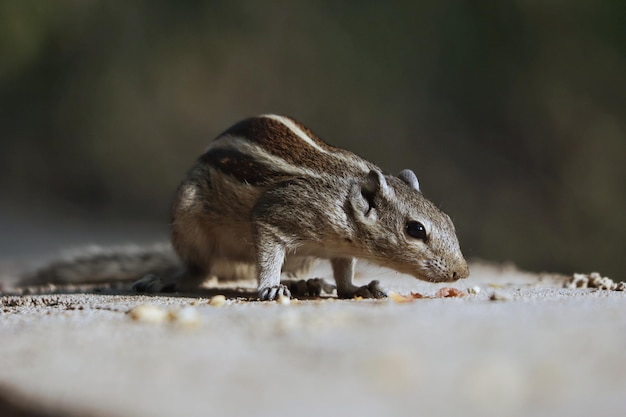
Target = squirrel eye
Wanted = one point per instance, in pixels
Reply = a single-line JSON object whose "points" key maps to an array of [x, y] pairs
{"points": [[416, 230]]}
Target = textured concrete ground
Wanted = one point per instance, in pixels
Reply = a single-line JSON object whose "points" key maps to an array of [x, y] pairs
{"points": [[536, 350]]}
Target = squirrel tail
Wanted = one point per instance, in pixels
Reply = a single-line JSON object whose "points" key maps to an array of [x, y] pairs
{"points": [[96, 264]]}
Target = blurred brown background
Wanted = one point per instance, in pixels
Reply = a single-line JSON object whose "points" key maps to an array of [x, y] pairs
{"points": [[513, 114]]}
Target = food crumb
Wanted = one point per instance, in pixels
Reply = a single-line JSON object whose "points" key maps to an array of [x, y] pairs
{"points": [[400, 299], [498, 296], [148, 313], [577, 281], [592, 280], [447, 292], [598, 281], [473, 290], [187, 316], [217, 300], [283, 299]]}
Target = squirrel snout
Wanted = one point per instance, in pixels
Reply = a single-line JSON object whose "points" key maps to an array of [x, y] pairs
{"points": [[462, 271]]}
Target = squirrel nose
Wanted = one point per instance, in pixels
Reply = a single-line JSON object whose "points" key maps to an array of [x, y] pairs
{"points": [[462, 270]]}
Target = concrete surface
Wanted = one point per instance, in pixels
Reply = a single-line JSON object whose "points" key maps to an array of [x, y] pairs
{"points": [[539, 351]]}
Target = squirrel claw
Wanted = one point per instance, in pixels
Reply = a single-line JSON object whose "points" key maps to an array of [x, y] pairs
{"points": [[272, 293]]}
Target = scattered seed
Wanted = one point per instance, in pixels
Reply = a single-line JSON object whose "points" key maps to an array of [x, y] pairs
{"points": [[447, 292]]}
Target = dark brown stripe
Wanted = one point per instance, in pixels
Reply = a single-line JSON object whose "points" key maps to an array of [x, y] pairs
{"points": [[240, 166], [277, 139]]}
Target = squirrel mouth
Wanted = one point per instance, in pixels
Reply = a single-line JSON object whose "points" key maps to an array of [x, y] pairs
{"points": [[432, 274]]}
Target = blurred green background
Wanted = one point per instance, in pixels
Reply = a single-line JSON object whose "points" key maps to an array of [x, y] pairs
{"points": [[512, 114]]}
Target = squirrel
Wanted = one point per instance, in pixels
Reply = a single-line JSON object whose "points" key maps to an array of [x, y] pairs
{"points": [[268, 197]]}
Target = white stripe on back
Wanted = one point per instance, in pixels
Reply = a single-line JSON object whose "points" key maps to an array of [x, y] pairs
{"points": [[243, 145], [295, 129]]}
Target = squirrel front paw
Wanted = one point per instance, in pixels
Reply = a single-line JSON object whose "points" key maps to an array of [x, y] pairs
{"points": [[371, 290], [272, 293]]}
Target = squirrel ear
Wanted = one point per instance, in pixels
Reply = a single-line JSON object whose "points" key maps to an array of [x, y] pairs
{"points": [[409, 177], [363, 194], [375, 182]]}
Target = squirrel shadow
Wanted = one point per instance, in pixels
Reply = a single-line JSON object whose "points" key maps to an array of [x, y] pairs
{"points": [[125, 289]]}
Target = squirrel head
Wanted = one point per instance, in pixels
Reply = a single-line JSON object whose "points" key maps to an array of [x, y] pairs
{"points": [[398, 227]]}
